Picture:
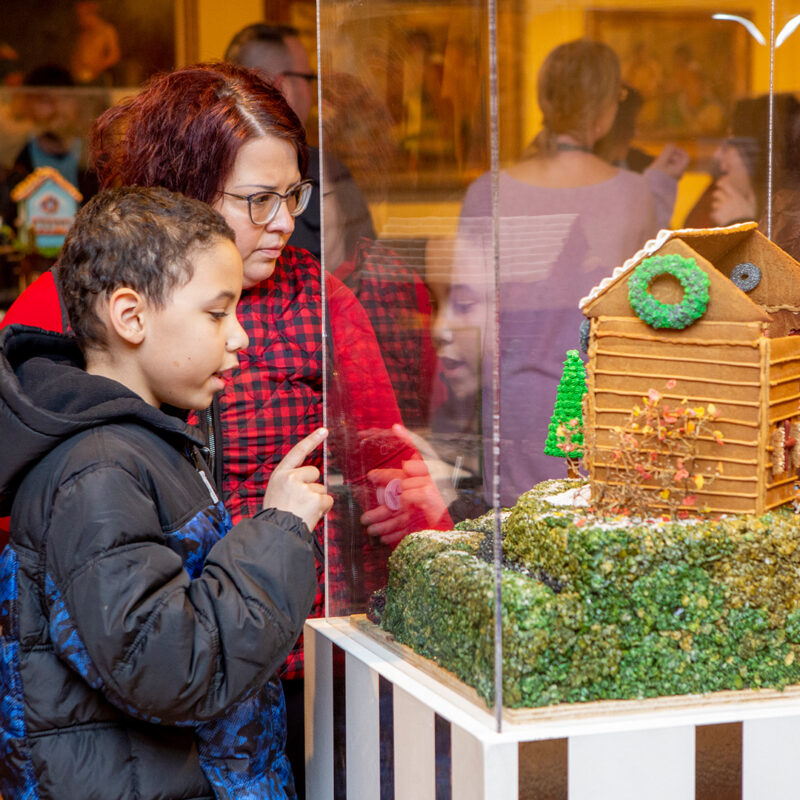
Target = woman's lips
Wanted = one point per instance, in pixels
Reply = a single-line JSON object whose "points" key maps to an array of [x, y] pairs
{"points": [[450, 363]]}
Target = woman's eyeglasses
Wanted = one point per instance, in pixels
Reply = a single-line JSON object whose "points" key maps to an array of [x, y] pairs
{"points": [[309, 77], [263, 206]]}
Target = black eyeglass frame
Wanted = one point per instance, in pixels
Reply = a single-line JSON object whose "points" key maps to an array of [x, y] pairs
{"points": [[301, 206], [306, 76]]}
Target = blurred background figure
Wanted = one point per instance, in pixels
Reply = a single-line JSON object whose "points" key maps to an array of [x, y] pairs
{"points": [[277, 53], [567, 218], [662, 172], [738, 191], [96, 49]]}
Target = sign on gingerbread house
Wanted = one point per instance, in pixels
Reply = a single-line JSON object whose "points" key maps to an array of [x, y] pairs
{"points": [[47, 206], [705, 320]]}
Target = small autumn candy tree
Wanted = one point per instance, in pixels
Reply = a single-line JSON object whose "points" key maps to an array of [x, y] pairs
{"points": [[653, 460], [565, 435]]}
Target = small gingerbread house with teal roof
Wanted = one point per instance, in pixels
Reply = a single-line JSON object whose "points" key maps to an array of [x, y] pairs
{"points": [[738, 349], [47, 205]]}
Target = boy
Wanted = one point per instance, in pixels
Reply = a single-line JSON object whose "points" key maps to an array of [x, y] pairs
{"points": [[138, 630]]}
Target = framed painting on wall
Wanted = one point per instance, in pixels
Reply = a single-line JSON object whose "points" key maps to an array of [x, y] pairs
{"points": [[405, 90], [100, 43], [688, 67]]}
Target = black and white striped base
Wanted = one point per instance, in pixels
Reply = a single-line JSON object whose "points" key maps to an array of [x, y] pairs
{"points": [[378, 727]]}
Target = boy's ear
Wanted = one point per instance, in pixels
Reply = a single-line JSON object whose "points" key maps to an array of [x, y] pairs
{"points": [[125, 310]]}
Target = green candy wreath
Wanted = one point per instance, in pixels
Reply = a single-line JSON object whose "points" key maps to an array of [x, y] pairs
{"points": [[656, 314]]}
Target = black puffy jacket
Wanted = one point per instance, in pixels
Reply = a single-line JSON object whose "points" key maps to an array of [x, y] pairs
{"points": [[138, 630]]}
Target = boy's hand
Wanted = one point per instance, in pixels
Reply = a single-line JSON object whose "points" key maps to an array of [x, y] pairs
{"points": [[293, 487]]}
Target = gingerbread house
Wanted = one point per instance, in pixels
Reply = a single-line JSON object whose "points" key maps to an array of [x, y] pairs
{"points": [[742, 354], [47, 205]]}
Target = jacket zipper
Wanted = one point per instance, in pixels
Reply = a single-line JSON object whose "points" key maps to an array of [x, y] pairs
{"points": [[212, 446]]}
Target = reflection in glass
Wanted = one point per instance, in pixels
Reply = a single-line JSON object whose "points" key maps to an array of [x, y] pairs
{"points": [[612, 126]]}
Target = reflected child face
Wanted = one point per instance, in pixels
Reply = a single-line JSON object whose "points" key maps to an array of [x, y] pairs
{"points": [[456, 336]]}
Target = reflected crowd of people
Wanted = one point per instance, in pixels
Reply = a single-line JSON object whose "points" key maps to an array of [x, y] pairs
{"points": [[588, 184], [434, 362]]}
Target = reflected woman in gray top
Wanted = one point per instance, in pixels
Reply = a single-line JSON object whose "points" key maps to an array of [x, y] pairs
{"points": [[566, 219]]}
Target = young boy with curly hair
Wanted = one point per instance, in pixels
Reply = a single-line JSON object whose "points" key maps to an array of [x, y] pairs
{"points": [[139, 630]]}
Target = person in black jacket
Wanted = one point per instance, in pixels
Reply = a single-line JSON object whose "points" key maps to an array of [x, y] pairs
{"points": [[139, 630]]}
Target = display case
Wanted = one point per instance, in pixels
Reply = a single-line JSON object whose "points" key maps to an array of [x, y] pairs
{"points": [[511, 156]]}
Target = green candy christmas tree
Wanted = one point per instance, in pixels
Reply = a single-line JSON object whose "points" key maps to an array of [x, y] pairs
{"points": [[565, 437]]}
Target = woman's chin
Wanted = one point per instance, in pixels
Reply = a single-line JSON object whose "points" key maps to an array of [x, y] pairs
{"points": [[258, 273]]}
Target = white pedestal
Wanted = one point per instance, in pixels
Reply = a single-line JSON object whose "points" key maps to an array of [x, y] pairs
{"points": [[380, 727]]}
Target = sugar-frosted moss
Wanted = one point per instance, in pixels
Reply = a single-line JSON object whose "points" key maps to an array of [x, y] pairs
{"points": [[647, 607]]}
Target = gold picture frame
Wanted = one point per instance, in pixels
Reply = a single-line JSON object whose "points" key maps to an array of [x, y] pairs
{"points": [[689, 67]]}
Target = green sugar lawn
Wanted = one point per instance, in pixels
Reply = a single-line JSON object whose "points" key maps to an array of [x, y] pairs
{"points": [[601, 609]]}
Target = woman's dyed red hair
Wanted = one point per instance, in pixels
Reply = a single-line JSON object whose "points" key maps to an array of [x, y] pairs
{"points": [[184, 130]]}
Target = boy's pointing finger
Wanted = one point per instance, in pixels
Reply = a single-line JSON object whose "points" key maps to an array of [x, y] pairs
{"points": [[297, 456]]}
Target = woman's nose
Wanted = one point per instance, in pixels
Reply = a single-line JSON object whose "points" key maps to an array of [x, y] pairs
{"points": [[283, 221]]}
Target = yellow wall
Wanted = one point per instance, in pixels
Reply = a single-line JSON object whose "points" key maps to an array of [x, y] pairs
{"points": [[545, 23], [549, 22], [218, 22]]}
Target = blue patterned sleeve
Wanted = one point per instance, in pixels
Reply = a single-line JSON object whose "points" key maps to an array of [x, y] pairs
{"points": [[173, 626]]}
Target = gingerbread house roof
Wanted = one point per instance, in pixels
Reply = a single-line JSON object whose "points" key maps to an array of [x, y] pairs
{"points": [[717, 251], [27, 187]]}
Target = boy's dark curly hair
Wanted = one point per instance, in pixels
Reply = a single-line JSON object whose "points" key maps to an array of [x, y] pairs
{"points": [[142, 238]]}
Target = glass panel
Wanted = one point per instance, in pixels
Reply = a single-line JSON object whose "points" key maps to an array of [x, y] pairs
{"points": [[466, 213], [607, 125], [402, 134]]}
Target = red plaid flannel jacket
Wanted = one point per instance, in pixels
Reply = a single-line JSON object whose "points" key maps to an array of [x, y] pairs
{"points": [[275, 398], [399, 307]]}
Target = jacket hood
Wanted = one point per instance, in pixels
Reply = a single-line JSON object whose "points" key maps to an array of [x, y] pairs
{"points": [[46, 396]]}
